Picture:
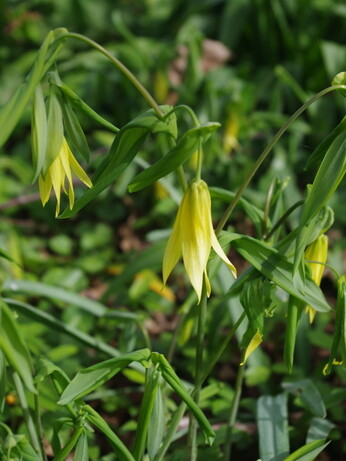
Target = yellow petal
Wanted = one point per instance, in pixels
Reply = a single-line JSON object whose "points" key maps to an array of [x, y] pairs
{"points": [[317, 251], [57, 177], [78, 170], [219, 251], [311, 313], [253, 344], [173, 250], [45, 188], [196, 236], [65, 155]]}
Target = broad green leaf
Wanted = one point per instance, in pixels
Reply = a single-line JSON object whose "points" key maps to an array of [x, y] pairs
{"points": [[63, 454], [308, 452], [272, 422], [55, 132], [180, 153], [56, 325], [38, 131], [327, 179], [74, 131], [14, 347], [47, 368], [319, 429], [144, 417], [275, 266], [123, 150], [172, 379], [255, 214], [82, 453], [156, 427], [11, 112], [309, 394], [94, 418], [91, 378]]}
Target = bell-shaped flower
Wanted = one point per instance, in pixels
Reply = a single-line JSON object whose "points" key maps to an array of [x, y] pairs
{"points": [[316, 256], [193, 237], [59, 172]]}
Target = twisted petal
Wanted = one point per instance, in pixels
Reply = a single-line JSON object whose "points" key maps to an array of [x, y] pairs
{"points": [[173, 249]]}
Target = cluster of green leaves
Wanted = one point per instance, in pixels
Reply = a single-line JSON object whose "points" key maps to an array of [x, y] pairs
{"points": [[268, 76]]}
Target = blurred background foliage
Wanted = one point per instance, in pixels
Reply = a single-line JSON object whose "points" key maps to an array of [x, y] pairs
{"points": [[246, 63]]}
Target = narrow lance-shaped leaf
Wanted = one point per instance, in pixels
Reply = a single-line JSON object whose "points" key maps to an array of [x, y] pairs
{"points": [[339, 337], [74, 131], [64, 452], [14, 348], [172, 379], [308, 452], [327, 179], [94, 418], [180, 153], [38, 131], [309, 394], [294, 310], [90, 378], [55, 130]]}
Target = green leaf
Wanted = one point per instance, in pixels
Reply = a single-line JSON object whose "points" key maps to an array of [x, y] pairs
{"points": [[309, 394], [38, 131], [276, 267], [94, 418], [79, 104], [11, 112], [339, 336], [74, 131], [294, 310], [14, 348], [55, 132], [272, 421], [308, 452], [82, 452], [172, 379], [62, 455], [181, 152], [49, 291], [144, 417], [56, 325], [91, 378], [3, 381], [319, 429], [156, 427], [123, 150], [327, 179]]}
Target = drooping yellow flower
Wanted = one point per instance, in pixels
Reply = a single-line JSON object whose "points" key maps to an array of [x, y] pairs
{"points": [[193, 237], [58, 172], [316, 254]]}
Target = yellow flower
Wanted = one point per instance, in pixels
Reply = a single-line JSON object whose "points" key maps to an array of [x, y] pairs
{"points": [[316, 254], [61, 169], [193, 237]]}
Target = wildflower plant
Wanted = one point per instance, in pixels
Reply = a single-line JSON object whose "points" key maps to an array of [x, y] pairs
{"points": [[290, 263]]}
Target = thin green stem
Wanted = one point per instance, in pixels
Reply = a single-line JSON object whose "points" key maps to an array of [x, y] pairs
{"points": [[128, 74], [202, 313], [282, 219], [199, 160], [32, 430], [233, 413], [267, 150], [221, 350]]}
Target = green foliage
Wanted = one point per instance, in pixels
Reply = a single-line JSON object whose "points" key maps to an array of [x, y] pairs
{"points": [[99, 360]]}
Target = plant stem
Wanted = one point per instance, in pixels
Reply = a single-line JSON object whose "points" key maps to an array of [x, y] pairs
{"points": [[267, 150], [27, 415], [128, 74], [282, 219], [202, 312], [233, 413]]}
